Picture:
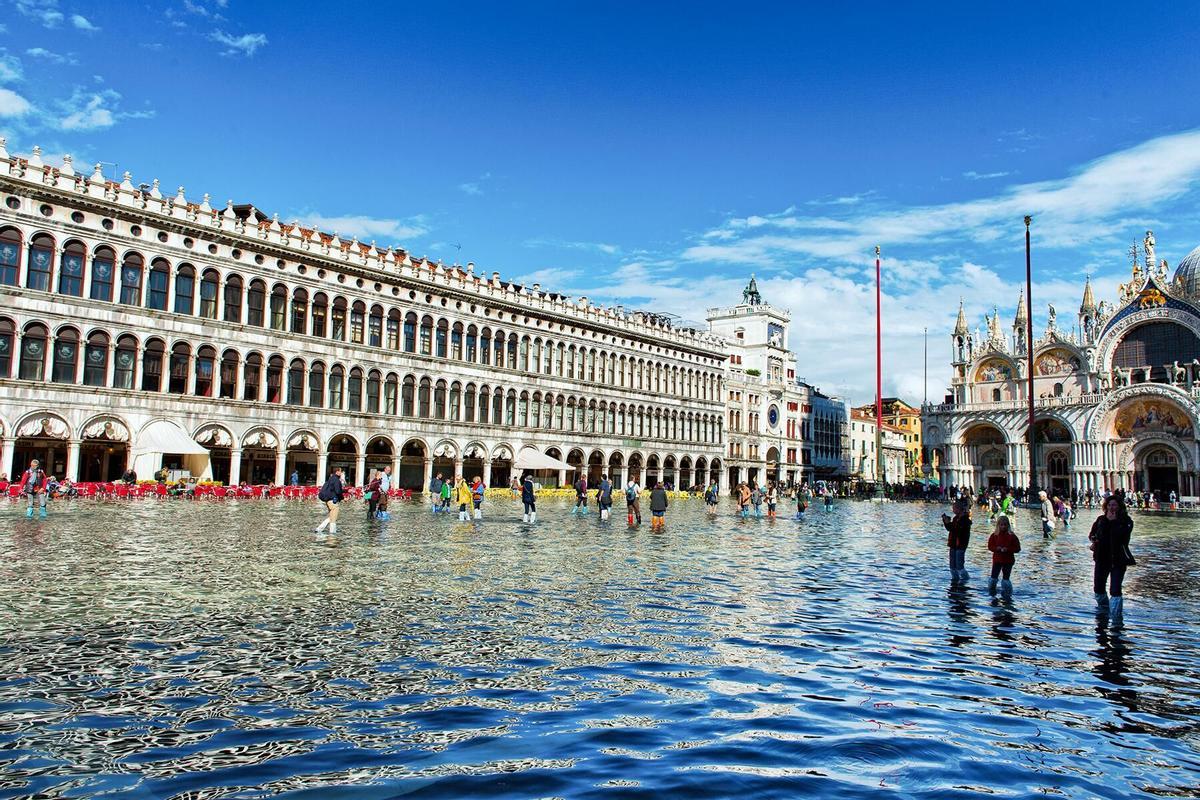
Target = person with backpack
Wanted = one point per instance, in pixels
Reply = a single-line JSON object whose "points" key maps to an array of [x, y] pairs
{"points": [[604, 497], [33, 486], [711, 496], [528, 500], [632, 491], [477, 492], [658, 506], [331, 495], [581, 499]]}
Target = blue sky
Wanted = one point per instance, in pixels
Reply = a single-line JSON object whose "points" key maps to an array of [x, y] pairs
{"points": [[655, 154]]}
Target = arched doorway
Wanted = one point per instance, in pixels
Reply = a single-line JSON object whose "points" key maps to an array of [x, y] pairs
{"points": [[343, 452], [686, 479], [669, 475], [44, 437], [502, 460], [575, 459], [379, 454], [473, 461], [302, 450], [219, 442], [103, 450], [412, 465], [653, 473], [260, 448], [1157, 471], [986, 458], [444, 454], [1053, 441], [635, 468], [595, 468], [616, 469]]}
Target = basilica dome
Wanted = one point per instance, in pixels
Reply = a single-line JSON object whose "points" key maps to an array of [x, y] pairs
{"points": [[1187, 275]]}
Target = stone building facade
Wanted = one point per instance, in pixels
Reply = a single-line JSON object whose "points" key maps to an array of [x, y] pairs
{"points": [[135, 325], [1115, 397]]}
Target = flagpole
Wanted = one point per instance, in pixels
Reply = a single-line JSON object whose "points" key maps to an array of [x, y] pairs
{"points": [[1030, 433], [879, 471]]}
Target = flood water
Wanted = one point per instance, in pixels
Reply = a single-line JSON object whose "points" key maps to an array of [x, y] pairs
{"points": [[220, 649]]}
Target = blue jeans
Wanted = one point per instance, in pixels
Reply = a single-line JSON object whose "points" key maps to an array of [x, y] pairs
{"points": [[958, 559], [1112, 574], [38, 498]]}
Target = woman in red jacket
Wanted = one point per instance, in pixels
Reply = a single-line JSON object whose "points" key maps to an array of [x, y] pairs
{"points": [[1004, 545]]}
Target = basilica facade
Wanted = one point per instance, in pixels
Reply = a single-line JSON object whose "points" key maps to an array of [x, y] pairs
{"points": [[143, 329], [1115, 393]]}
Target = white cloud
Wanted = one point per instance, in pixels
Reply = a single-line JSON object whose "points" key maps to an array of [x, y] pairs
{"points": [[13, 105], [10, 69], [386, 231], [93, 110], [50, 56], [195, 8], [475, 187], [43, 11], [972, 175], [245, 45], [560, 244], [82, 23]]}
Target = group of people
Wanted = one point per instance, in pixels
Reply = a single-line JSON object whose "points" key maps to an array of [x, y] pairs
{"points": [[604, 499], [1108, 542], [750, 496], [467, 496]]}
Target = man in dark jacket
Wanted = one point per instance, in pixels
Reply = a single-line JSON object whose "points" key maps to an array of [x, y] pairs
{"points": [[331, 494], [658, 506], [958, 529], [528, 499]]}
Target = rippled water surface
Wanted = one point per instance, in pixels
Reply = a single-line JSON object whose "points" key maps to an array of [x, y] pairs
{"points": [[208, 649]]}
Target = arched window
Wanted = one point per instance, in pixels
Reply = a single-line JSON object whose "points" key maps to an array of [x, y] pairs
{"points": [[484, 401], [439, 400], [410, 332], [375, 327], [279, 301], [233, 298], [66, 356], [124, 362], [152, 365], [275, 379], [407, 392], [423, 398], [295, 383], [373, 380], [456, 342], [426, 335], [316, 385], [472, 355], [8, 339], [185, 289], [523, 410], [252, 377], [485, 348], [41, 262], [206, 362], [1057, 463], [320, 314], [256, 303], [389, 395], [208, 294], [354, 390], [70, 271], [440, 341], [131, 279], [358, 314], [33, 352], [393, 330], [299, 311], [181, 358], [338, 328], [103, 267], [512, 351], [10, 256], [469, 402], [523, 355], [156, 288], [229, 371], [497, 406], [996, 395], [336, 386], [1058, 390]]}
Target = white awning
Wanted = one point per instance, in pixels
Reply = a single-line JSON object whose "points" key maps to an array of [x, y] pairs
{"points": [[166, 437], [530, 458]]}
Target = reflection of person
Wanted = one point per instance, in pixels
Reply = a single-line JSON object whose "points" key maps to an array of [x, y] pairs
{"points": [[1110, 553]]}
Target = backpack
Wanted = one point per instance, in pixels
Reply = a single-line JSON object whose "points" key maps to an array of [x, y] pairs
{"points": [[630, 493]]}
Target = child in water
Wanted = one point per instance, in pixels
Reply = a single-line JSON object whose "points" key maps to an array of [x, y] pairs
{"points": [[772, 499], [1004, 545]]}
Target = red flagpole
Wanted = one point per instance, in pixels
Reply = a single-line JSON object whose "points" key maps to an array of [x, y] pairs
{"points": [[879, 471]]}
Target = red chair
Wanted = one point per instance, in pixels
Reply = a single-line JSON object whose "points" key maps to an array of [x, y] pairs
{"points": [[275, 491], [14, 490]]}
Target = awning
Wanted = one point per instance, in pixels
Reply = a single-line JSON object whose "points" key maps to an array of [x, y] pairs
{"points": [[167, 437], [530, 458]]}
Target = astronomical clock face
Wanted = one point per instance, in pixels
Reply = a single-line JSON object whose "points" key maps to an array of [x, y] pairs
{"points": [[773, 416]]}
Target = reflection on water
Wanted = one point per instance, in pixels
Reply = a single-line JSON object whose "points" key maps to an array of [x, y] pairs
{"points": [[222, 650]]}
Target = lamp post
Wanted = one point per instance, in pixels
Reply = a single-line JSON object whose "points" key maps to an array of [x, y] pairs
{"points": [[1030, 431]]}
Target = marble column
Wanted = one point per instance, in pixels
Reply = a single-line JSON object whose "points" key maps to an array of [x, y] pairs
{"points": [[458, 468], [7, 449], [562, 477], [281, 465], [426, 474], [487, 473], [360, 469], [235, 467], [72, 460], [322, 466]]}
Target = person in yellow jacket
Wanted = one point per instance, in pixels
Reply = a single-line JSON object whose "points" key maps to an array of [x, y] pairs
{"points": [[462, 495]]}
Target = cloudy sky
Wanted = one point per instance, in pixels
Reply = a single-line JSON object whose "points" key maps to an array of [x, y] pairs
{"points": [[655, 158]]}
